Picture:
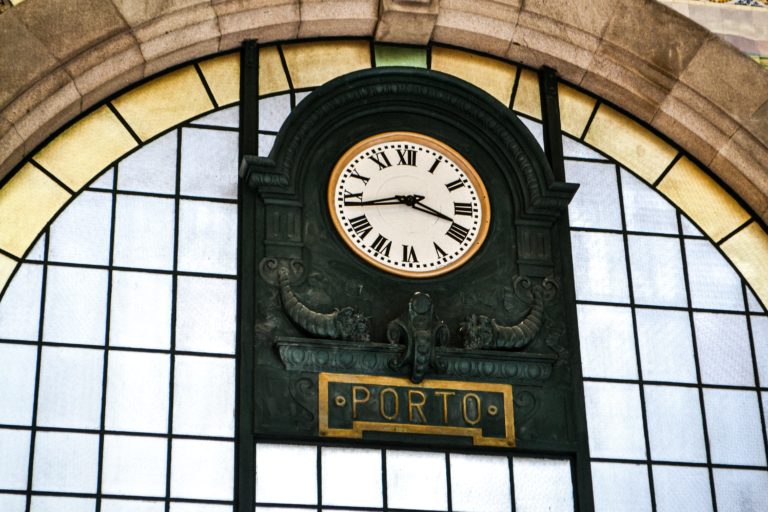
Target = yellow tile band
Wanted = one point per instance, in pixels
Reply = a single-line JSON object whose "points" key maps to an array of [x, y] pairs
{"points": [[702, 199], [575, 109], [271, 74], [223, 77], [27, 202], [748, 250], [493, 76], [164, 102], [7, 266], [528, 96], [629, 143], [313, 64], [86, 148]]}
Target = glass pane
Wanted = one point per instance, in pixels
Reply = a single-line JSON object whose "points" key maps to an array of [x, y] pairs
{"points": [[13, 503], [575, 149], [80, 234], [599, 266], [615, 421], [65, 462], [202, 469], [654, 284], [141, 310], [607, 342], [20, 305], [351, 477], [301, 95], [713, 281], [206, 310], [228, 117], [144, 232], [689, 229], [725, 356], [666, 345], [621, 487], [132, 506], [134, 465], [644, 208], [596, 203], [14, 455], [286, 474], [416, 480], [734, 428], [674, 415], [480, 483], [681, 489], [265, 144], [137, 392], [62, 504], [70, 387], [273, 111], [535, 128], [208, 237], [18, 364], [37, 252], [152, 168], [754, 305], [209, 163], [105, 181], [202, 507], [742, 490], [75, 305], [204, 396], [760, 338], [542, 484]]}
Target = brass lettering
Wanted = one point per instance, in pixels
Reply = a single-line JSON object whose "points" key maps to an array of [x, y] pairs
{"points": [[445, 395], [382, 408], [359, 400], [416, 405], [465, 403]]}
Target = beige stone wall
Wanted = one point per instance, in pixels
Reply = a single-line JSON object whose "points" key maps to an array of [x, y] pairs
{"points": [[59, 57]]}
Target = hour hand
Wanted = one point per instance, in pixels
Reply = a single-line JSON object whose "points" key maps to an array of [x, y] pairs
{"points": [[426, 209]]}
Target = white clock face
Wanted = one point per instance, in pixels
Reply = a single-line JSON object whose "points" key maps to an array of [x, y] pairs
{"points": [[408, 204]]}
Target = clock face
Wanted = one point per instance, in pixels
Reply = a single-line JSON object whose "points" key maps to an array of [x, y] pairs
{"points": [[408, 204]]}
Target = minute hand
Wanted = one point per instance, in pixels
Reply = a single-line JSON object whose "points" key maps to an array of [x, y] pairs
{"points": [[426, 209], [383, 200]]}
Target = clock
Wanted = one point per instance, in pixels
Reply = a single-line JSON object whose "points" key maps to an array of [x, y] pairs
{"points": [[408, 204]]}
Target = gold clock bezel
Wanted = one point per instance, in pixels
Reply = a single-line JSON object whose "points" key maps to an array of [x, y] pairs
{"points": [[435, 145]]}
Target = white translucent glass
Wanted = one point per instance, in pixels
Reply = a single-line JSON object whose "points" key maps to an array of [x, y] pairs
{"points": [[134, 466], [228, 118], [20, 305], [644, 208], [144, 232], [575, 149], [177, 506], [65, 462], [80, 234], [480, 483], [206, 311], [351, 477], [106, 181], [282, 509], [689, 229], [141, 310], [265, 144], [13, 503], [301, 95], [70, 387], [596, 203], [273, 112], [615, 420], [734, 428], [37, 252], [607, 342], [535, 128], [620, 487], [666, 345], [599, 267], [75, 305], [416, 480], [209, 163], [208, 237], [286, 474], [17, 383], [62, 504], [681, 489], [654, 283], [725, 356], [760, 339], [14, 459], [150, 169], [137, 392], [202, 469], [132, 506], [713, 281], [740, 489], [674, 414], [204, 396], [754, 305], [542, 484]]}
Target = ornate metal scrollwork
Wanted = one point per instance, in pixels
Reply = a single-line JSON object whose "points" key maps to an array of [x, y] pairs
{"points": [[344, 324], [421, 330]]}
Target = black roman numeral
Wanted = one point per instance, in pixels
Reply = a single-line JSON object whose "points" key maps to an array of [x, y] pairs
{"points": [[406, 157], [361, 225], [440, 253], [381, 245], [457, 232], [352, 198], [357, 175], [431, 170], [409, 255], [381, 160], [462, 208], [454, 185]]}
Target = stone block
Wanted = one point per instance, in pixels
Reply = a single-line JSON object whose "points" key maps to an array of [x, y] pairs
{"points": [[403, 21], [482, 25], [265, 20], [136, 13], [333, 18], [178, 30], [180, 56], [11, 147]]}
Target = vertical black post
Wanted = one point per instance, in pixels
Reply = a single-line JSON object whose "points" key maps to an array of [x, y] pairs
{"points": [[245, 461], [550, 115]]}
